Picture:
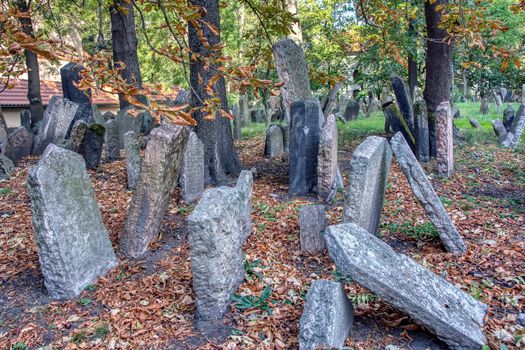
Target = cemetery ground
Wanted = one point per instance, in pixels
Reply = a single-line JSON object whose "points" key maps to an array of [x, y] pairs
{"points": [[148, 303]]}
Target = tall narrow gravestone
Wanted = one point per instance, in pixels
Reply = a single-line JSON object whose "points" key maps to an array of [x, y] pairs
{"points": [[132, 147], [421, 131], [368, 178], [307, 118], [70, 75], [73, 245], [403, 102], [157, 180], [192, 169], [293, 71], [444, 140], [327, 166], [453, 315], [58, 117]]}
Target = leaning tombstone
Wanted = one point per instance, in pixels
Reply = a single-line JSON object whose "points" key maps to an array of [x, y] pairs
{"points": [[499, 129], [70, 76], [445, 310], [111, 141], [421, 131], [73, 245], [404, 102], [192, 169], [365, 195], [7, 167], [327, 165], [158, 176], [92, 144], [508, 117], [423, 190], [398, 124], [306, 120], [58, 117], [132, 149], [312, 223], [327, 317], [21, 142], [474, 123], [218, 228], [292, 69], [274, 142], [444, 140]]}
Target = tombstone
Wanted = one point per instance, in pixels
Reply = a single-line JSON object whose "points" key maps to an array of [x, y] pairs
{"points": [[397, 123], [25, 119], [97, 115], [497, 100], [192, 169], [126, 122], [508, 96], [108, 115], [218, 228], [455, 112], [306, 119], [256, 115], [274, 143], [237, 122], [385, 96], [518, 126], [157, 180], [508, 117], [243, 110], [312, 223], [444, 140], [327, 165], [7, 167], [70, 76], [5, 146], [293, 72], [351, 110], [78, 133], [421, 131], [91, 148], [146, 122], [21, 142], [73, 245], [132, 149], [183, 97], [499, 129], [423, 190], [474, 123], [404, 102], [327, 317], [445, 310], [365, 195], [111, 141], [484, 108], [54, 127]]}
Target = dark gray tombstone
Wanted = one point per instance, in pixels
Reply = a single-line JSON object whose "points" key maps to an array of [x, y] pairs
{"points": [[474, 123], [421, 131], [91, 149], [70, 74], [25, 119], [351, 110], [305, 129], [5, 145], [404, 103], [111, 142], [397, 123], [7, 167], [21, 142], [508, 117]]}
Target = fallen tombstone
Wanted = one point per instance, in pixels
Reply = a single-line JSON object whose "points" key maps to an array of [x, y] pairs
{"points": [[158, 176], [54, 127], [21, 142], [444, 140], [368, 177], [451, 314], [274, 142], [218, 228], [327, 166], [7, 167], [305, 128], [421, 134], [351, 110], [508, 117], [192, 169], [292, 69], [424, 192], [73, 245], [132, 149], [327, 317], [474, 123], [312, 223], [111, 141]]}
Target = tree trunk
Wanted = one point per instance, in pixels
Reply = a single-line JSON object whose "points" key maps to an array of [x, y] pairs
{"points": [[438, 67], [33, 72], [220, 158], [124, 43], [412, 61]]}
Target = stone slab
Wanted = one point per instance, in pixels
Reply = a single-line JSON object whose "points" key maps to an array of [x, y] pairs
{"points": [[192, 169], [444, 140], [312, 223], [327, 166], [132, 148]]}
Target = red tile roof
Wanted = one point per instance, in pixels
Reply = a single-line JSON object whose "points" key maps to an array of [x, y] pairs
{"points": [[17, 96]]}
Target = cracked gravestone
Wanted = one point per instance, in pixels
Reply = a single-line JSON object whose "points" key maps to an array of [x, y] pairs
{"points": [[73, 244], [451, 314], [368, 177], [312, 223], [192, 169]]}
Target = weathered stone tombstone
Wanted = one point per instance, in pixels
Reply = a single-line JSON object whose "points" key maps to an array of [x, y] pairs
{"points": [[497, 100], [397, 123], [312, 223], [21, 142], [474, 123], [7, 167], [70, 76], [327, 317], [192, 169], [404, 103], [424, 192], [444, 140], [484, 107], [78, 133], [126, 122], [158, 176], [385, 96], [327, 166], [183, 97], [421, 131], [73, 245], [244, 110], [5, 145], [237, 122], [92, 144], [499, 129], [445, 310], [306, 120], [351, 110], [97, 115], [147, 122], [274, 143], [25, 119], [508, 117], [256, 115], [111, 141], [518, 124], [58, 117], [291, 67], [218, 228], [132, 149], [365, 195]]}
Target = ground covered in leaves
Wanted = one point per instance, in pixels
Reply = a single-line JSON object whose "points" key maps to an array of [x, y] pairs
{"points": [[149, 303]]}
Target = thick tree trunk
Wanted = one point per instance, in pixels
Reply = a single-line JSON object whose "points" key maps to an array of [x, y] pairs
{"points": [[438, 67], [124, 42], [220, 158], [33, 71], [412, 61]]}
